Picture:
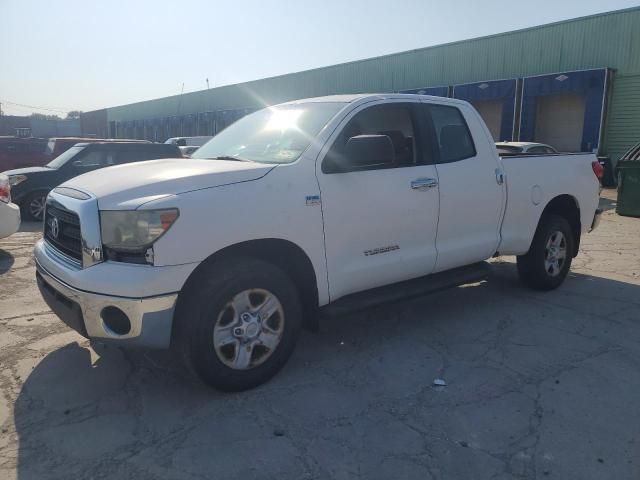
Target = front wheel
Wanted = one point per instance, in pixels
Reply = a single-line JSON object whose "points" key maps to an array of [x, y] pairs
{"points": [[33, 206], [238, 323], [547, 263]]}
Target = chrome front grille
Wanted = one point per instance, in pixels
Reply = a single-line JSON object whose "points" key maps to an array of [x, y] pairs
{"points": [[72, 227], [62, 231]]}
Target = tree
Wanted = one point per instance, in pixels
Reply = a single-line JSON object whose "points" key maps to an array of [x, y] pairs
{"points": [[74, 114], [42, 116]]}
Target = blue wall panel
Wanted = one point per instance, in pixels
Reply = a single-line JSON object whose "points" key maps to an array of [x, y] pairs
{"points": [[587, 83], [496, 90]]}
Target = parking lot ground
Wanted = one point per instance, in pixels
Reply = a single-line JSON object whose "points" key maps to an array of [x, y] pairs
{"points": [[538, 385]]}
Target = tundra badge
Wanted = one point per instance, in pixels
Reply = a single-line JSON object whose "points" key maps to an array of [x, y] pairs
{"points": [[313, 200]]}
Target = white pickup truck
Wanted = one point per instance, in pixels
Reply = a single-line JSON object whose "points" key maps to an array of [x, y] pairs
{"points": [[327, 203]]}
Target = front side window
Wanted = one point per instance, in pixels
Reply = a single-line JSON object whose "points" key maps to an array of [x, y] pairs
{"points": [[93, 159], [63, 158], [452, 133], [272, 135], [390, 124]]}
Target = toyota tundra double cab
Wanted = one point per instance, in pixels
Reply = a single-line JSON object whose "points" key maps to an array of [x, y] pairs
{"points": [[324, 204]]}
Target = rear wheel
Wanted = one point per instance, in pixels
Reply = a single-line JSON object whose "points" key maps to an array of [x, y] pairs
{"points": [[238, 324], [32, 206], [547, 263]]}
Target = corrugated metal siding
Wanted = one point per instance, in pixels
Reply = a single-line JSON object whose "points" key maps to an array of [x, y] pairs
{"points": [[623, 124], [607, 40]]}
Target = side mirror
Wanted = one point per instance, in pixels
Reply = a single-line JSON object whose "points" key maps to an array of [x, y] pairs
{"points": [[369, 151]]}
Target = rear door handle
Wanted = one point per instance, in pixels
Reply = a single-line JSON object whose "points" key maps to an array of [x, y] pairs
{"points": [[424, 183]]}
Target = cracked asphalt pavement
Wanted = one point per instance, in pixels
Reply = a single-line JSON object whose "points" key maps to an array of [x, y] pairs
{"points": [[539, 385]]}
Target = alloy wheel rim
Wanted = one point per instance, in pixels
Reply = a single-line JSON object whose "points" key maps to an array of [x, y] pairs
{"points": [[555, 254], [36, 207], [249, 329]]}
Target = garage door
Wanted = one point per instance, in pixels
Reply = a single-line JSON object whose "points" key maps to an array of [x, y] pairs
{"points": [[495, 101], [491, 113], [560, 121], [552, 104]]}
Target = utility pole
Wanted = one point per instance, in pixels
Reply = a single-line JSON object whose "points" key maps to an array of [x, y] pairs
{"points": [[180, 99]]}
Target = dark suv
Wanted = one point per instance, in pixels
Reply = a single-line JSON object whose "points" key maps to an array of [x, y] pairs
{"points": [[30, 186]]}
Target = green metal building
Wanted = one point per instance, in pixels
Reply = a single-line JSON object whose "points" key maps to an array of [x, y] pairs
{"points": [[574, 84]]}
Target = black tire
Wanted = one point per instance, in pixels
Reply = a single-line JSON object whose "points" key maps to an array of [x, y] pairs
{"points": [[533, 269], [204, 300], [28, 209]]}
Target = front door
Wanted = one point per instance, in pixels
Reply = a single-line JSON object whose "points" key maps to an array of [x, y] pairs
{"points": [[380, 220]]}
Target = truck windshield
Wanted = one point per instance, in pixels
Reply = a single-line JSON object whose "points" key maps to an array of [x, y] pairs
{"points": [[273, 135], [63, 158]]}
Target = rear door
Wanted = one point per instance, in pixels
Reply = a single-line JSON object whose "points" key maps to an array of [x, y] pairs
{"points": [[380, 220], [471, 197]]}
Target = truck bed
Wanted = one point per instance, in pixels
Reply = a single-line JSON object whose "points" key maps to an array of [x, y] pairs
{"points": [[532, 182]]}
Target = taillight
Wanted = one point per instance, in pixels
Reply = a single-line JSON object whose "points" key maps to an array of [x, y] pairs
{"points": [[5, 190], [598, 169]]}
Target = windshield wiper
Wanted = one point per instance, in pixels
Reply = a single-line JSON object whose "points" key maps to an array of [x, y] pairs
{"points": [[229, 157]]}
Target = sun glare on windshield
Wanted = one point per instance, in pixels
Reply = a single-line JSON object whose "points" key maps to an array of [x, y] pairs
{"points": [[283, 120]]}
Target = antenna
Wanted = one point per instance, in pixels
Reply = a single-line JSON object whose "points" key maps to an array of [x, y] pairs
{"points": [[180, 99]]}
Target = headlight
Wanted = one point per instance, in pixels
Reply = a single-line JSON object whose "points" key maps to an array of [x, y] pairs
{"points": [[135, 231], [16, 179]]}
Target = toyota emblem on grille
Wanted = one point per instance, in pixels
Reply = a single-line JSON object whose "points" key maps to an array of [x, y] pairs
{"points": [[55, 227]]}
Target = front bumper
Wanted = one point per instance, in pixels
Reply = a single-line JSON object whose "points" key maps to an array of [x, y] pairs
{"points": [[596, 219], [9, 219], [150, 318]]}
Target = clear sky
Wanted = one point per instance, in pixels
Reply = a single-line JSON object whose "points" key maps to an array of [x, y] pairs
{"points": [[83, 54]]}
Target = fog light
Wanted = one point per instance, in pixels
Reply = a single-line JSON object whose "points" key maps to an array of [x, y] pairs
{"points": [[116, 320]]}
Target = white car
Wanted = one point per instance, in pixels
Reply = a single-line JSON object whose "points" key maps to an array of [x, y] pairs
{"points": [[529, 148], [188, 151], [9, 212], [331, 204]]}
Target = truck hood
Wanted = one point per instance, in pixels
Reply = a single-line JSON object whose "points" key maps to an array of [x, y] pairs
{"points": [[131, 185]]}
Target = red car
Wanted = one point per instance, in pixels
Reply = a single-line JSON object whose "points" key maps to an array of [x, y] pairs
{"points": [[22, 152]]}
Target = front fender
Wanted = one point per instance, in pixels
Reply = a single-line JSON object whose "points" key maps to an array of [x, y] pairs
{"points": [[217, 218]]}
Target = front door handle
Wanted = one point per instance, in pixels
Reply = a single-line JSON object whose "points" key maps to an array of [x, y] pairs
{"points": [[424, 183]]}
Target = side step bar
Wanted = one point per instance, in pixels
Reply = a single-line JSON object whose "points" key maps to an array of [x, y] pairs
{"points": [[417, 287]]}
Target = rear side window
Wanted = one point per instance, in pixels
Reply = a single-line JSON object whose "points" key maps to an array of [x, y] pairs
{"points": [[452, 133]]}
